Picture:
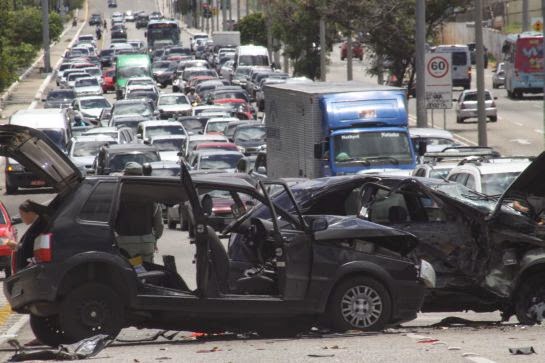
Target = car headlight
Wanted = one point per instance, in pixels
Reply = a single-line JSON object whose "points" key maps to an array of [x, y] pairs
{"points": [[241, 149], [14, 167], [427, 274]]}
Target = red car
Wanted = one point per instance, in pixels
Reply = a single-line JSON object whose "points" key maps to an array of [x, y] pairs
{"points": [[108, 80], [228, 146], [7, 232], [357, 50], [243, 110]]}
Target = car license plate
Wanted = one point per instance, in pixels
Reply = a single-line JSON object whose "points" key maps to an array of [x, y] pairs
{"points": [[37, 183]]}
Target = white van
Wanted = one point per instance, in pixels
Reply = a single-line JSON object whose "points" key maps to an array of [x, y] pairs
{"points": [[52, 122], [461, 63], [252, 55]]}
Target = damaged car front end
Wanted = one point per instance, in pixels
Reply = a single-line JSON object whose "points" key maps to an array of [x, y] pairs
{"points": [[488, 251]]}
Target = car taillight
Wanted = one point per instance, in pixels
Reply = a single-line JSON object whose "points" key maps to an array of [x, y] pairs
{"points": [[42, 248]]}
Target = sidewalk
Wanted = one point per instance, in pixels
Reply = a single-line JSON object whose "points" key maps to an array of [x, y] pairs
{"points": [[27, 89]]}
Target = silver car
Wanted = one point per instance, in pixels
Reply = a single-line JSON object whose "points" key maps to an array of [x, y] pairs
{"points": [[466, 107], [498, 78]]}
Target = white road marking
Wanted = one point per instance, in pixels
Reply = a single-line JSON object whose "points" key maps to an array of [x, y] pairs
{"points": [[516, 123], [476, 358], [539, 131], [521, 141], [14, 329]]}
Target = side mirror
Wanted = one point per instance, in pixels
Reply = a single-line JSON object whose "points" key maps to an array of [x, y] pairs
{"points": [[16, 220], [319, 224]]}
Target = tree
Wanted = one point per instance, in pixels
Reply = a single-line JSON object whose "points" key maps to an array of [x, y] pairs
{"points": [[253, 29], [296, 24]]}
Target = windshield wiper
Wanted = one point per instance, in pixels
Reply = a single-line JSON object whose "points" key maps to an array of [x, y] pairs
{"points": [[352, 160], [479, 196]]}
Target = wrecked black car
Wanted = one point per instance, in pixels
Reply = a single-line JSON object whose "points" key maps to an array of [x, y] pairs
{"points": [[75, 281], [488, 252]]}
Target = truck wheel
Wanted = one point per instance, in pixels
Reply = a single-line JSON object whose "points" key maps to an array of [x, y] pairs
{"points": [[47, 330], [530, 300], [89, 310], [493, 118], [359, 303]]}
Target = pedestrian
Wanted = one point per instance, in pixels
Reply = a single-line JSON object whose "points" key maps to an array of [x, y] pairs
{"points": [[29, 212], [105, 25], [139, 223]]}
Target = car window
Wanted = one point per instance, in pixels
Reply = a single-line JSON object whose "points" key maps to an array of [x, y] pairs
{"points": [[420, 172], [470, 182], [388, 209], [97, 207], [459, 58]]}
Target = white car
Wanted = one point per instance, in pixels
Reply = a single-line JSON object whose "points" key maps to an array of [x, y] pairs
{"points": [[490, 176], [218, 125], [87, 38], [436, 139], [123, 135], [169, 146], [149, 129], [90, 107], [129, 15], [466, 106], [173, 104], [87, 86], [71, 79], [83, 149]]}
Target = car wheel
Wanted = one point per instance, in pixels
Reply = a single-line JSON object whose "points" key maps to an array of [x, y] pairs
{"points": [[342, 58], [459, 120], [509, 94], [493, 118], [171, 224], [361, 58], [184, 225], [495, 86], [530, 300], [89, 310], [47, 330], [359, 303], [175, 89]]}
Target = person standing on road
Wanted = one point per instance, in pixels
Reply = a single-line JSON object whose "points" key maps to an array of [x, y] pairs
{"points": [[139, 224], [29, 212]]}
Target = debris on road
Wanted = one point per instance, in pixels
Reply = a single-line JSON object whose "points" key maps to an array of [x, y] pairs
{"points": [[522, 351], [83, 349]]}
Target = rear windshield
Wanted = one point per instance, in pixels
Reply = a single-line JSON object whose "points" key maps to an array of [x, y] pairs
{"points": [[459, 58], [473, 96], [118, 162]]}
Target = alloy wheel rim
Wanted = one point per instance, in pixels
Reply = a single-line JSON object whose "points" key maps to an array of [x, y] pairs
{"points": [[361, 306]]}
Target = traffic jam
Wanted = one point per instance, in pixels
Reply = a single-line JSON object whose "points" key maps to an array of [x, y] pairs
{"points": [[307, 205]]}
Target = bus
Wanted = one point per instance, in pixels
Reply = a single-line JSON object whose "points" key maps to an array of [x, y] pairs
{"points": [[161, 33], [523, 63]]}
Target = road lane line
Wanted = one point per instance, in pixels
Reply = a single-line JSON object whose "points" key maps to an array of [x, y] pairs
{"points": [[456, 136], [14, 329], [539, 131]]}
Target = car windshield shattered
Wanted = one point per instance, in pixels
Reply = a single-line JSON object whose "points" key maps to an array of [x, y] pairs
{"points": [[465, 195]]}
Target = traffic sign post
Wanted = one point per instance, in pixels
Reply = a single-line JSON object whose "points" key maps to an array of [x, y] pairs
{"points": [[438, 81]]}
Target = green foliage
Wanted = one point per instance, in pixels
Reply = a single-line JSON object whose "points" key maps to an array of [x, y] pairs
{"points": [[21, 37], [253, 29]]}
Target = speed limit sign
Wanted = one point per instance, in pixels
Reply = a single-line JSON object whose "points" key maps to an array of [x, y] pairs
{"points": [[438, 80]]}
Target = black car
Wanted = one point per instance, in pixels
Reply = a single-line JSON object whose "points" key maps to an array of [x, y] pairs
{"points": [[112, 3], [95, 19], [142, 21], [106, 57], [113, 158], [343, 271], [59, 98]]}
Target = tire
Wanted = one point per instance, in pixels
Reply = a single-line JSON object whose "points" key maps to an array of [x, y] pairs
{"points": [[175, 89], [171, 224], [495, 86], [459, 120], [509, 94], [494, 118], [359, 290], [47, 330], [530, 300], [361, 59], [343, 58], [89, 310], [184, 224]]}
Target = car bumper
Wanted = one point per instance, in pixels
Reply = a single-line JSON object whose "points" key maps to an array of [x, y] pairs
{"points": [[467, 113], [24, 179], [410, 297], [29, 287]]}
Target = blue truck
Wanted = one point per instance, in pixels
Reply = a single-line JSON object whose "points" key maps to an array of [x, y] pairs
{"points": [[325, 128]]}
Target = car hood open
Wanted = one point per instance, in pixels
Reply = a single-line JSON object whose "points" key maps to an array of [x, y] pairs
{"points": [[528, 183], [36, 152]]}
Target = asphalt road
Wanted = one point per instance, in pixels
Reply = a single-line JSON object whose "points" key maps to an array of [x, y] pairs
{"points": [[482, 340]]}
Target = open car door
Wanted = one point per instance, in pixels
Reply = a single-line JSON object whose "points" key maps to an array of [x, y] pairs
{"points": [[201, 232], [36, 152]]}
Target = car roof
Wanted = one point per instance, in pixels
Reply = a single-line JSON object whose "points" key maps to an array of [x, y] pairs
{"points": [[171, 94], [97, 137], [430, 132], [159, 123], [85, 98], [207, 152], [167, 137], [120, 148], [99, 130], [509, 166], [223, 119], [207, 137]]}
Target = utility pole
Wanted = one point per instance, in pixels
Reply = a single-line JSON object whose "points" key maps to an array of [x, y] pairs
{"points": [[481, 110], [238, 11], [349, 57], [421, 112], [45, 36], [525, 20], [269, 31], [322, 47], [223, 15], [230, 14]]}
